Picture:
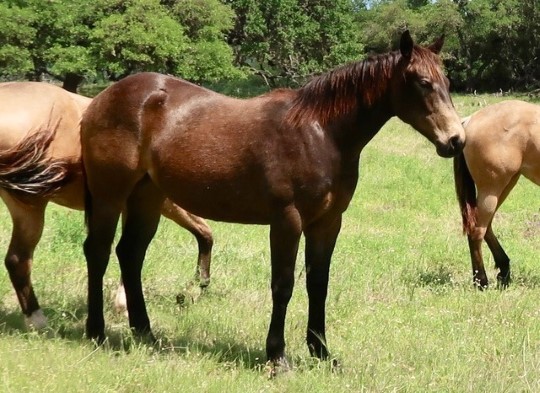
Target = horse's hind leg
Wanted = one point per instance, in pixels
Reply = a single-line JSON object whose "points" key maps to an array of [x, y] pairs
{"points": [[502, 261], [202, 232], [102, 219], [28, 220], [488, 201], [143, 212], [487, 205]]}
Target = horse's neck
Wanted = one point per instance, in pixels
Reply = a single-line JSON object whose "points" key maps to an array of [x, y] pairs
{"points": [[354, 131]]}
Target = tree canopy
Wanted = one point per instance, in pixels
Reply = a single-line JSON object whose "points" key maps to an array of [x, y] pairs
{"points": [[490, 44]]}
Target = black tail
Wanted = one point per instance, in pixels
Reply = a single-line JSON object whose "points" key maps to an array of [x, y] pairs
{"points": [[466, 193], [25, 169], [87, 196]]}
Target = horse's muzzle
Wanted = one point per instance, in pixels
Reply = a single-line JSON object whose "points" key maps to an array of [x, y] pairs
{"points": [[452, 148]]}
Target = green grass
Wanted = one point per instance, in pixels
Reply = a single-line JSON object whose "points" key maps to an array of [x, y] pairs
{"points": [[402, 314]]}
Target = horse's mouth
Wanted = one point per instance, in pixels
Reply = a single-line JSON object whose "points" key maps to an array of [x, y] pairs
{"points": [[452, 148]]}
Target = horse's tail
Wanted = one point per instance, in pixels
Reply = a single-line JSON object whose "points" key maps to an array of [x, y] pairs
{"points": [[87, 199], [466, 193], [25, 169], [87, 195]]}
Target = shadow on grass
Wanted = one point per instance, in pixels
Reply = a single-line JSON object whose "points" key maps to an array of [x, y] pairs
{"points": [[67, 322], [526, 278], [437, 278]]}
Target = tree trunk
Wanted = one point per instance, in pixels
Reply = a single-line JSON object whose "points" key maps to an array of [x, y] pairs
{"points": [[72, 82]]}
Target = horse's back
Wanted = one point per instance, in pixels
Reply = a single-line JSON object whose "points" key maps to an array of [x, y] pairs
{"points": [[504, 138], [28, 107]]}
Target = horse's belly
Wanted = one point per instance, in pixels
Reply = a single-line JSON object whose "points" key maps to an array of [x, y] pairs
{"points": [[219, 202], [214, 190]]}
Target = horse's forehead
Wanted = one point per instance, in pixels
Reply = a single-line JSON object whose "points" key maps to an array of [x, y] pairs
{"points": [[428, 65]]}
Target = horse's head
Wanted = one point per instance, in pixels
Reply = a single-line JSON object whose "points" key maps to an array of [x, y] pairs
{"points": [[421, 98]]}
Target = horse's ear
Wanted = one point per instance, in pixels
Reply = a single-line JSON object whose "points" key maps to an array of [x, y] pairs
{"points": [[406, 44], [437, 45]]}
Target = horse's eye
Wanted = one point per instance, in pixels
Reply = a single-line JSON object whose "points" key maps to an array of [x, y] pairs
{"points": [[424, 84]]}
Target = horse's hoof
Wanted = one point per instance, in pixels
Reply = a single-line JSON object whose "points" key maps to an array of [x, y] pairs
{"points": [[503, 281], [335, 366], [36, 321], [98, 341], [190, 294], [481, 285], [277, 367], [96, 335]]}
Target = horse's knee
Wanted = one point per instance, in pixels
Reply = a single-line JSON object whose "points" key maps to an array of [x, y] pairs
{"points": [[18, 268], [97, 256]]}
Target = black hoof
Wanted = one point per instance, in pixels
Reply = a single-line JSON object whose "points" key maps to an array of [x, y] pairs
{"points": [[481, 285], [145, 336], [335, 366], [95, 333], [503, 280]]}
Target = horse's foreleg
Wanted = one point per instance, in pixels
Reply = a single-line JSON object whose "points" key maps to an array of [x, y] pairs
{"points": [[320, 242], [102, 222], [28, 223], [142, 219], [202, 232], [285, 234]]}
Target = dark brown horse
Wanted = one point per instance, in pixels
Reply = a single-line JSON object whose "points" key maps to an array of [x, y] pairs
{"points": [[40, 162], [503, 143], [288, 159]]}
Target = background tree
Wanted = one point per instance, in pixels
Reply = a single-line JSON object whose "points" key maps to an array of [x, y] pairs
{"points": [[207, 56], [490, 44], [16, 37], [286, 40], [134, 36]]}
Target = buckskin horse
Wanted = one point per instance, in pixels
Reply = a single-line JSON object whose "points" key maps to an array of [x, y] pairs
{"points": [[503, 143], [40, 161], [288, 159]]}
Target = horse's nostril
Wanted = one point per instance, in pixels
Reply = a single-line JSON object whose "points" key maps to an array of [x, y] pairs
{"points": [[455, 143]]}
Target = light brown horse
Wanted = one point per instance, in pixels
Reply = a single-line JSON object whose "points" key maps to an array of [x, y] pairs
{"points": [[288, 159], [40, 161], [503, 143]]}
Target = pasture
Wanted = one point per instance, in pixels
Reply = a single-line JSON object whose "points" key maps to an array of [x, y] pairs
{"points": [[402, 314]]}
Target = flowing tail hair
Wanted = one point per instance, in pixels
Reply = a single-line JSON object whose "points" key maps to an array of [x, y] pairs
{"points": [[25, 169], [466, 193]]}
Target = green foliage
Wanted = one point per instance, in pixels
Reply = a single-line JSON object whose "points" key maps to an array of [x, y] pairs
{"points": [[84, 39], [207, 57], [137, 35], [16, 36], [284, 41], [490, 44]]}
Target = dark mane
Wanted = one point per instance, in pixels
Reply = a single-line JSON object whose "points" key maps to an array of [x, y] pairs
{"points": [[343, 89]]}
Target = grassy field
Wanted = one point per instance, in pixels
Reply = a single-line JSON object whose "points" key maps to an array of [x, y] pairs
{"points": [[402, 314]]}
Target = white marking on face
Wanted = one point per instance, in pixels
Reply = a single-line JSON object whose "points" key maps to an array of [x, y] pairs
{"points": [[319, 132]]}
